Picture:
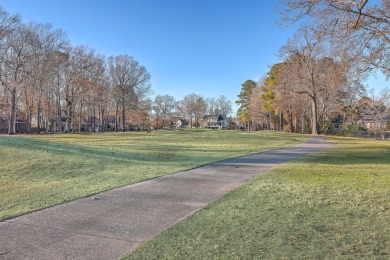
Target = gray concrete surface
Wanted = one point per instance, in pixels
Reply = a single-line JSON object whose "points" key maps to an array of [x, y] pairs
{"points": [[111, 224]]}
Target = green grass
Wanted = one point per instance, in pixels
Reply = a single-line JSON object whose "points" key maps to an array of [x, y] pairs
{"points": [[331, 205], [39, 171]]}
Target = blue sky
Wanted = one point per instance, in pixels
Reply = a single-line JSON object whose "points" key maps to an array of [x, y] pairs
{"points": [[208, 47]]}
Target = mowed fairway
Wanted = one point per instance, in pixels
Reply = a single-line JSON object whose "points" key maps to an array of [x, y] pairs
{"points": [[39, 171], [330, 205]]}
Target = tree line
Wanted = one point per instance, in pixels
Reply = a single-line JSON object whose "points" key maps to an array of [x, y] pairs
{"points": [[319, 76], [192, 107], [48, 85]]}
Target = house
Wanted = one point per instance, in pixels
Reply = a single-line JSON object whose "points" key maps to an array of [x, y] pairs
{"points": [[374, 117], [182, 123], [20, 125], [215, 122], [3, 125], [179, 122], [337, 123]]}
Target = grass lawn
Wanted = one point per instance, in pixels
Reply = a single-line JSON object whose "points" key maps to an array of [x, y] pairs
{"points": [[39, 171], [331, 205]]}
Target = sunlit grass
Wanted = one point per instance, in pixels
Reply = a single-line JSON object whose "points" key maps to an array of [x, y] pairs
{"points": [[39, 171], [331, 205]]}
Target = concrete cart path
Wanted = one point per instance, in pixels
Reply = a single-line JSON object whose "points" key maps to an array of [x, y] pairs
{"points": [[113, 223]]}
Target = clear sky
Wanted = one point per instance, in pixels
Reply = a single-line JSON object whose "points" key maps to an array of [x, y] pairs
{"points": [[208, 47]]}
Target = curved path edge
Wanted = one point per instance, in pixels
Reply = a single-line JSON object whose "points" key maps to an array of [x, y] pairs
{"points": [[113, 223]]}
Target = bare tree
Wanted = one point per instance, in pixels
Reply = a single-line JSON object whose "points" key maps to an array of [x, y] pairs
{"points": [[163, 106], [224, 105], [157, 108], [308, 71], [257, 112], [359, 30], [14, 59], [46, 44], [8, 25], [75, 82], [211, 105], [42, 76], [128, 79], [193, 105], [59, 59], [94, 94], [100, 98], [199, 110]]}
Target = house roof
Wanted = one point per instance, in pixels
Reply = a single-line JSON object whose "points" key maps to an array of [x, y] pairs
{"points": [[214, 117]]}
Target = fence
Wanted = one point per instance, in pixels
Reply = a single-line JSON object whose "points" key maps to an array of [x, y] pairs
{"points": [[372, 135]]}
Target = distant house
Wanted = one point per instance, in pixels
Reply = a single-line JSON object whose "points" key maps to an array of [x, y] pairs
{"points": [[3, 125], [20, 125], [215, 121], [373, 117], [179, 122], [337, 123], [182, 123]]}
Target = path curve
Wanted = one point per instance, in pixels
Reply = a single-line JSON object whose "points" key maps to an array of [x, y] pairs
{"points": [[113, 223]]}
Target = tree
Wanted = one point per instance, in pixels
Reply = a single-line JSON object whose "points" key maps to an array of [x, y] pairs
{"points": [[199, 110], [358, 30], [308, 71], [76, 83], [268, 93], [244, 101], [8, 24], [42, 76], [193, 105], [128, 79], [224, 105], [257, 113], [46, 44], [163, 106], [8, 27], [211, 105], [14, 59], [95, 93]]}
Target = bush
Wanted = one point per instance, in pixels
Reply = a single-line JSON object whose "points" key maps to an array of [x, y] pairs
{"points": [[350, 129]]}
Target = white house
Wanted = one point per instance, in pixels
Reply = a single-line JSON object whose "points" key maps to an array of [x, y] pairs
{"points": [[215, 121]]}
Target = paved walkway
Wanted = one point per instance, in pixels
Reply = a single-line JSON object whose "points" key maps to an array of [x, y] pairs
{"points": [[111, 224]]}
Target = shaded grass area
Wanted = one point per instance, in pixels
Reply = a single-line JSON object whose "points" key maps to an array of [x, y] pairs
{"points": [[331, 205], [39, 171]]}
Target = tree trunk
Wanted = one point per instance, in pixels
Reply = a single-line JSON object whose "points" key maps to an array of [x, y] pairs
{"points": [[280, 121], [58, 103], [73, 119], [314, 116], [123, 117], [39, 115], [116, 117], [12, 121], [47, 109], [70, 117], [29, 118], [290, 121]]}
